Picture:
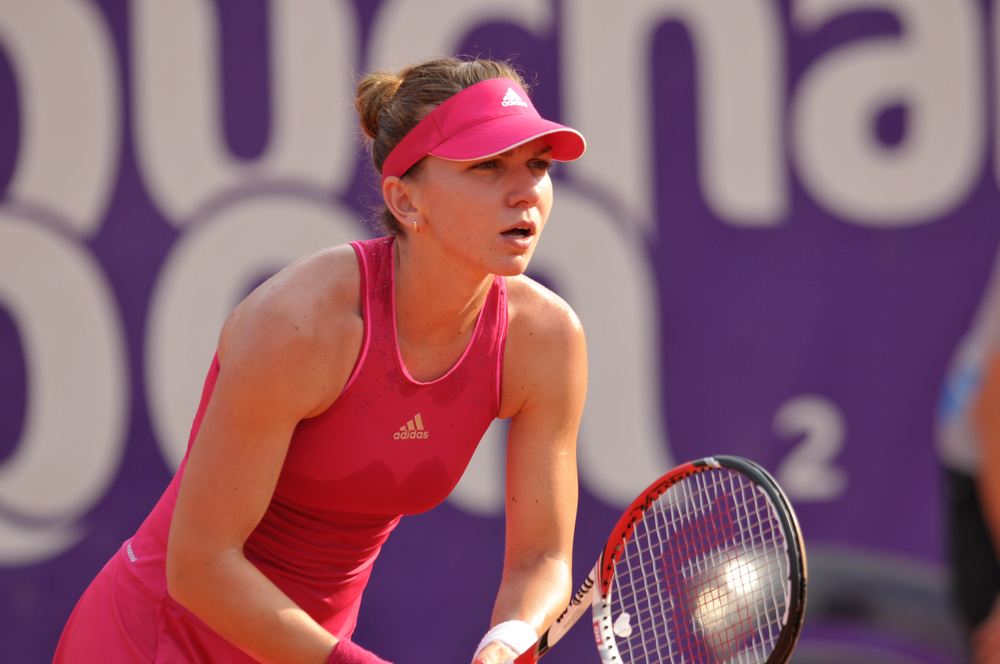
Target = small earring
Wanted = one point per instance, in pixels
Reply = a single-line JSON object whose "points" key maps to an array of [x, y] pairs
{"points": [[415, 229]]}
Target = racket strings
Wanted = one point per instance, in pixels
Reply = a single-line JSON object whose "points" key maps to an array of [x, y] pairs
{"points": [[702, 578]]}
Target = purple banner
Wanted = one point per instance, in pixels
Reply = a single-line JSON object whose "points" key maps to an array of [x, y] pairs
{"points": [[781, 231]]}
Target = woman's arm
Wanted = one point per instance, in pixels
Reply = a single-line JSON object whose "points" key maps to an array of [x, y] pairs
{"points": [[544, 387], [286, 353]]}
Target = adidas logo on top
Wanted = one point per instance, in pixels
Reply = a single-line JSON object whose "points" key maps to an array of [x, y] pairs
{"points": [[412, 429], [512, 99]]}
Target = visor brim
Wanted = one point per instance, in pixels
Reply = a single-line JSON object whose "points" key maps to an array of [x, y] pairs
{"points": [[499, 135]]}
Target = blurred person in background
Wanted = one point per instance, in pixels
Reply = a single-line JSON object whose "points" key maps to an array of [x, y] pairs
{"points": [[969, 445]]}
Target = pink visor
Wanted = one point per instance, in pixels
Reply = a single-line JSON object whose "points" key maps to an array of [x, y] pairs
{"points": [[481, 121]]}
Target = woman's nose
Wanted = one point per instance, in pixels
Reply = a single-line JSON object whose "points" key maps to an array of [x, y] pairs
{"points": [[526, 188]]}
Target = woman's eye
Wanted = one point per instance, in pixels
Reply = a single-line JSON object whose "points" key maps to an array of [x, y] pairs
{"points": [[543, 164], [487, 165]]}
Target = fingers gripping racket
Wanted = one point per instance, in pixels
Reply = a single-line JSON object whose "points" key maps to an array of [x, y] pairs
{"points": [[707, 566]]}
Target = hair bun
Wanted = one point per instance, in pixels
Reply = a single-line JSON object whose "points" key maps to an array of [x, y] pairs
{"points": [[375, 91]]}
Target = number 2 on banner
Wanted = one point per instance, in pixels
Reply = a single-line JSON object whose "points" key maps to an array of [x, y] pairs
{"points": [[808, 472]]}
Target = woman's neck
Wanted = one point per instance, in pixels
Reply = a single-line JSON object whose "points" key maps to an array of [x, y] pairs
{"points": [[438, 302]]}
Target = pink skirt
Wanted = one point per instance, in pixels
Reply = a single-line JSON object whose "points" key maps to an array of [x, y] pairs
{"points": [[118, 621]]}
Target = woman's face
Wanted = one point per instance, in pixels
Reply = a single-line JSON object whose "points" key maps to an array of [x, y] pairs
{"points": [[490, 212]]}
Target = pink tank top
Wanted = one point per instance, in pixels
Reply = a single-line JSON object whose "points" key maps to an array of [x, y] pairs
{"points": [[389, 445]]}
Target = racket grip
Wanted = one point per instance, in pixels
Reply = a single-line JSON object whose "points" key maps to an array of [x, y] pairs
{"points": [[527, 657]]}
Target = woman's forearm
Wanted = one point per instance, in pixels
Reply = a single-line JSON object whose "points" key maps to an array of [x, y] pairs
{"points": [[536, 592], [239, 602]]}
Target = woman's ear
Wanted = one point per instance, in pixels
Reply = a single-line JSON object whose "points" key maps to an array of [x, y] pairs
{"points": [[399, 198]]}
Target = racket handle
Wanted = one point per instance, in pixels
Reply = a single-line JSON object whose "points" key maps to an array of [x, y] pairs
{"points": [[528, 657]]}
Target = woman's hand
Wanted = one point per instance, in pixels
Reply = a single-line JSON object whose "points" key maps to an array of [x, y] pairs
{"points": [[494, 653]]}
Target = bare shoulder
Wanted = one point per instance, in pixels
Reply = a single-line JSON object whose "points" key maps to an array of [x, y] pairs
{"points": [[534, 310], [546, 349], [306, 317]]}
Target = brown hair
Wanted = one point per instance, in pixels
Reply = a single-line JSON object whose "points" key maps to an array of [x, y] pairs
{"points": [[390, 105]]}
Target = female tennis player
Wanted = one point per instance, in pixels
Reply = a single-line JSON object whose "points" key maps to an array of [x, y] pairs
{"points": [[353, 387]]}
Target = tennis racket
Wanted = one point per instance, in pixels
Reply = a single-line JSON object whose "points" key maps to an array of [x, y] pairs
{"points": [[707, 566]]}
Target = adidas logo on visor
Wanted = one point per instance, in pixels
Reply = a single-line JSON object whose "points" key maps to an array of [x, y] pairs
{"points": [[412, 429], [512, 99]]}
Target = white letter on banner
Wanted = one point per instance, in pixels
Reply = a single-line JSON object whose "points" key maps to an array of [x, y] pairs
{"points": [[603, 272], [78, 398], [996, 94], [808, 473], [739, 56], [69, 97], [210, 269], [180, 142], [605, 275], [406, 31], [934, 69]]}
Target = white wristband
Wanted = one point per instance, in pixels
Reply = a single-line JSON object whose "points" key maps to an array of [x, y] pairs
{"points": [[515, 634]]}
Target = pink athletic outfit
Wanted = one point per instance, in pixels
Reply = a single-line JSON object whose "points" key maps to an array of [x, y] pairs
{"points": [[388, 446]]}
